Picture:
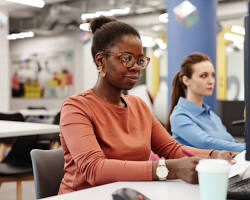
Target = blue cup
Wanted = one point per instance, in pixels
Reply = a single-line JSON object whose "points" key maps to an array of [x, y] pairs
{"points": [[213, 178]]}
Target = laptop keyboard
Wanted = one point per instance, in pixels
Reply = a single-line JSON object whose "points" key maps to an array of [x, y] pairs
{"points": [[239, 190]]}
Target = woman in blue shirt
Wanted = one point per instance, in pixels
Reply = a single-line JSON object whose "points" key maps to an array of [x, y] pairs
{"points": [[190, 120]]}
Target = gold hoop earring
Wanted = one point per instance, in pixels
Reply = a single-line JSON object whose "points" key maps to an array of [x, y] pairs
{"points": [[103, 74], [99, 68]]}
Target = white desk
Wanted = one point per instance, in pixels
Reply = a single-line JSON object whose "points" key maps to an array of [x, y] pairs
{"points": [[38, 112], [155, 190], [14, 129]]}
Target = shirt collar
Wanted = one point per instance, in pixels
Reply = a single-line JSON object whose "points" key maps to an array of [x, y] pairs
{"points": [[193, 108]]}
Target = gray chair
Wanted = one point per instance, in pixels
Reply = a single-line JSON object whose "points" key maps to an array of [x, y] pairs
{"points": [[48, 170]]}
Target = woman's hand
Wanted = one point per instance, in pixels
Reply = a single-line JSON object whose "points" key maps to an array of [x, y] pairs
{"points": [[225, 155], [183, 168]]}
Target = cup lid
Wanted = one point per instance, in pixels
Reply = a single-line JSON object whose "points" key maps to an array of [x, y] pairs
{"points": [[213, 165]]}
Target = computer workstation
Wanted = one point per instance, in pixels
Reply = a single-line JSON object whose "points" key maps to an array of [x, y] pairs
{"points": [[241, 189]]}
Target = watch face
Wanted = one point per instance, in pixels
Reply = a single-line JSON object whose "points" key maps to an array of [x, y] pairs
{"points": [[162, 172]]}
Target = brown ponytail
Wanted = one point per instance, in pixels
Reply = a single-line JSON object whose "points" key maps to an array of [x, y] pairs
{"points": [[178, 90], [178, 87]]}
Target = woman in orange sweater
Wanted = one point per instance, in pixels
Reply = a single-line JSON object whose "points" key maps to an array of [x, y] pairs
{"points": [[108, 136]]}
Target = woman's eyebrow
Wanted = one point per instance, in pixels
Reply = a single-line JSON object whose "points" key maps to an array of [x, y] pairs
{"points": [[132, 53]]}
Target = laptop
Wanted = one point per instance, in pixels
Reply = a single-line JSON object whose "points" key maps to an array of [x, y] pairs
{"points": [[239, 190]]}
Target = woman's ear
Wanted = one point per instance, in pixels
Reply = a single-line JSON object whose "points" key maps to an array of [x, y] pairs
{"points": [[99, 59], [185, 80]]}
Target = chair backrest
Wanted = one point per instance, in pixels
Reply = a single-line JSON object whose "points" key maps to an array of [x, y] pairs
{"points": [[57, 118], [12, 117], [20, 152], [37, 107], [16, 116], [48, 170], [225, 110]]}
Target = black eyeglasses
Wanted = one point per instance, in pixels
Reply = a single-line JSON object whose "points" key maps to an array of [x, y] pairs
{"points": [[128, 60]]}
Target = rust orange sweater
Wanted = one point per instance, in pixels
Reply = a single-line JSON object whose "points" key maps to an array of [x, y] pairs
{"points": [[105, 143]]}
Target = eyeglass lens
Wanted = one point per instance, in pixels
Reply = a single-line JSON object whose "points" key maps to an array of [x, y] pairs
{"points": [[129, 60]]}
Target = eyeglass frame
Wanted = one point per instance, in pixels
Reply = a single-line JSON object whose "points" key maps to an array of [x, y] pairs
{"points": [[119, 54]]}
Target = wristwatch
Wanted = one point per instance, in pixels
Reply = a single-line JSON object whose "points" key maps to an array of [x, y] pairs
{"points": [[162, 170]]}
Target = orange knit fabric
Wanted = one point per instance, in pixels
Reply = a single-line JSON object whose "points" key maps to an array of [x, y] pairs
{"points": [[105, 143]]}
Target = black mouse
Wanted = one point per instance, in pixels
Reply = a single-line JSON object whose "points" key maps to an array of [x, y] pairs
{"points": [[128, 194]]}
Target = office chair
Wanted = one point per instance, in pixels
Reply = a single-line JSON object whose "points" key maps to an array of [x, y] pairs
{"points": [[48, 169], [37, 107], [55, 143], [46, 141], [36, 118], [52, 140], [12, 117], [42, 142], [230, 112], [5, 143], [17, 165]]}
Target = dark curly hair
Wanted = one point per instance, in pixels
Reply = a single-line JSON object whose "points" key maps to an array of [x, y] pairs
{"points": [[107, 31]]}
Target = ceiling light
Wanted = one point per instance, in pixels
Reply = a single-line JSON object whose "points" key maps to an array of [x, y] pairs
{"points": [[122, 11], [164, 17], [21, 35], [88, 16], [158, 27], [158, 53], [104, 13], [238, 29], [144, 10], [161, 44], [35, 3], [233, 37], [147, 41], [84, 27]]}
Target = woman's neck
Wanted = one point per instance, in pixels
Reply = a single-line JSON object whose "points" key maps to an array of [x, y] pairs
{"points": [[196, 99], [109, 94]]}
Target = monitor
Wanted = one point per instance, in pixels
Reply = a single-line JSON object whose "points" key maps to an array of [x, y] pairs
{"points": [[247, 84]]}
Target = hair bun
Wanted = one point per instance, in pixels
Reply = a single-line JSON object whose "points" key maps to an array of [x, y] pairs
{"points": [[97, 22]]}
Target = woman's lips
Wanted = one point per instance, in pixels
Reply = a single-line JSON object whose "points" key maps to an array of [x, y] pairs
{"points": [[132, 78]]}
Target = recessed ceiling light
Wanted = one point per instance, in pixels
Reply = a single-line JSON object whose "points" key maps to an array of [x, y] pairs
{"points": [[34, 3], [164, 17], [238, 29]]}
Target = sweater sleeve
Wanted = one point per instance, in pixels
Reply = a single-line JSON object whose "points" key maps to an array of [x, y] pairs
{"points": [[81, 142], [183, 127]]}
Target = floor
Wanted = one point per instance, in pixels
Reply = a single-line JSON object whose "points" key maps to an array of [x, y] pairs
{"points": [[8, 191]]}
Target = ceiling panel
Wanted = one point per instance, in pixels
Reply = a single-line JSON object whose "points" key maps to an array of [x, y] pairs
{"points": [[65, 14]]}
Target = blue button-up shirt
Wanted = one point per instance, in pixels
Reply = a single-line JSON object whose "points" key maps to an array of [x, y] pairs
{"points": [[200, 127]]}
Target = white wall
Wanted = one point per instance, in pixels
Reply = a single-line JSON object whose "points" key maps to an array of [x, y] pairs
{"points": [[235, 75], [89, 68], [4, 67], [83, 78]]}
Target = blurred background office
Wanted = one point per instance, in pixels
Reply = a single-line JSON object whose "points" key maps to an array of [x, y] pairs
{"points": [[45, 53]]}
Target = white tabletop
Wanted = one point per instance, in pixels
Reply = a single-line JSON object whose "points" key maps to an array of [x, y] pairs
{"points": [[38, 112], [14, 129], [155, 190]]}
